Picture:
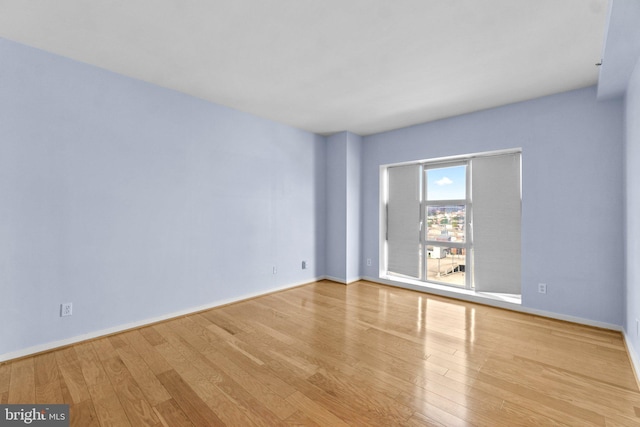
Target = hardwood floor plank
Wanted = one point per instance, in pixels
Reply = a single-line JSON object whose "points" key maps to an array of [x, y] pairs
{"points": [[529, 417], [151, 335], [117, 341], [315, 340], [190, 403], [83, 414], [392, 411], [299, 419], [538, 401], [524, 408], [503, 374], [315, 411], [133, 401], [260, 383], [67, 398], [47, 379], [568, 386], [152, 358], [621, 421], [330, 354], [153, 390], [437, 417], [22, 388], [104, 349], [74, 387], [461, 408], [243, 401], [420, 420], [203, 385], [90, 365], [217, 318], [5, 377], [107, 405], [255, 381], [352, 414], [171, 415]]}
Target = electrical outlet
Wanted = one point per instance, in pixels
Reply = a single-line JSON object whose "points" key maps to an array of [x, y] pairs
{"points": [[304, 265], [637, 328], [542, 288], [369, 262], [275, 270], [66, 309]]}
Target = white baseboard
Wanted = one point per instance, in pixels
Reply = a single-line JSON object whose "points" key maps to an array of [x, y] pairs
{"points": [[124, 327], [471, 296], [633, 356], [572, 319], [335, 279], [343, 281]]}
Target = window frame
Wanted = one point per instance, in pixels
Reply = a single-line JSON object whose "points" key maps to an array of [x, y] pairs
{"points": [[424, 243]]}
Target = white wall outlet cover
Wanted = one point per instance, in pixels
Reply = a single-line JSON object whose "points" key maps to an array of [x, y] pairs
{"points": [[66, 309]]}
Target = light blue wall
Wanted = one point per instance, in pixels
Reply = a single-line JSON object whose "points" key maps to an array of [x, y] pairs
{"points": [[572, 216], [336, 167], [343, 207], [133, 201], [354, 196], [632, 156]]}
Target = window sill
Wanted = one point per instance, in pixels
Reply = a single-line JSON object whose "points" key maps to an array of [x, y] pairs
{"points": [[452, 291]]}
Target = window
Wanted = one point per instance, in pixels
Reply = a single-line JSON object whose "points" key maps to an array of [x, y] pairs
{"points": [[445, 210], [455, 222]]}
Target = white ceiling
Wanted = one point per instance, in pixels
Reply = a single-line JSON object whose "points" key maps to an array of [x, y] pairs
{"points": [[329, 65]]}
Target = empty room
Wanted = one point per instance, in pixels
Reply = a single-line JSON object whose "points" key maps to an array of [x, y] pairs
{"points": [[320, 213]]}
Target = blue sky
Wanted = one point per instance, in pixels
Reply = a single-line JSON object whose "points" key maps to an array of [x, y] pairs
{"points": [[446, 183]]}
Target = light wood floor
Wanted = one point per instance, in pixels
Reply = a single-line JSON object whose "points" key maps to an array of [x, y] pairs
{"points": [[331, 355]]}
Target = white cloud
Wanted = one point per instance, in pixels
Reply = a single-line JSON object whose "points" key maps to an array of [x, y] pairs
{"points": [[444, 181]]}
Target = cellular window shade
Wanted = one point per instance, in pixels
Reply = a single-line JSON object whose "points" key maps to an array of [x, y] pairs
{"points": [[496, 223], [403, 220]]}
